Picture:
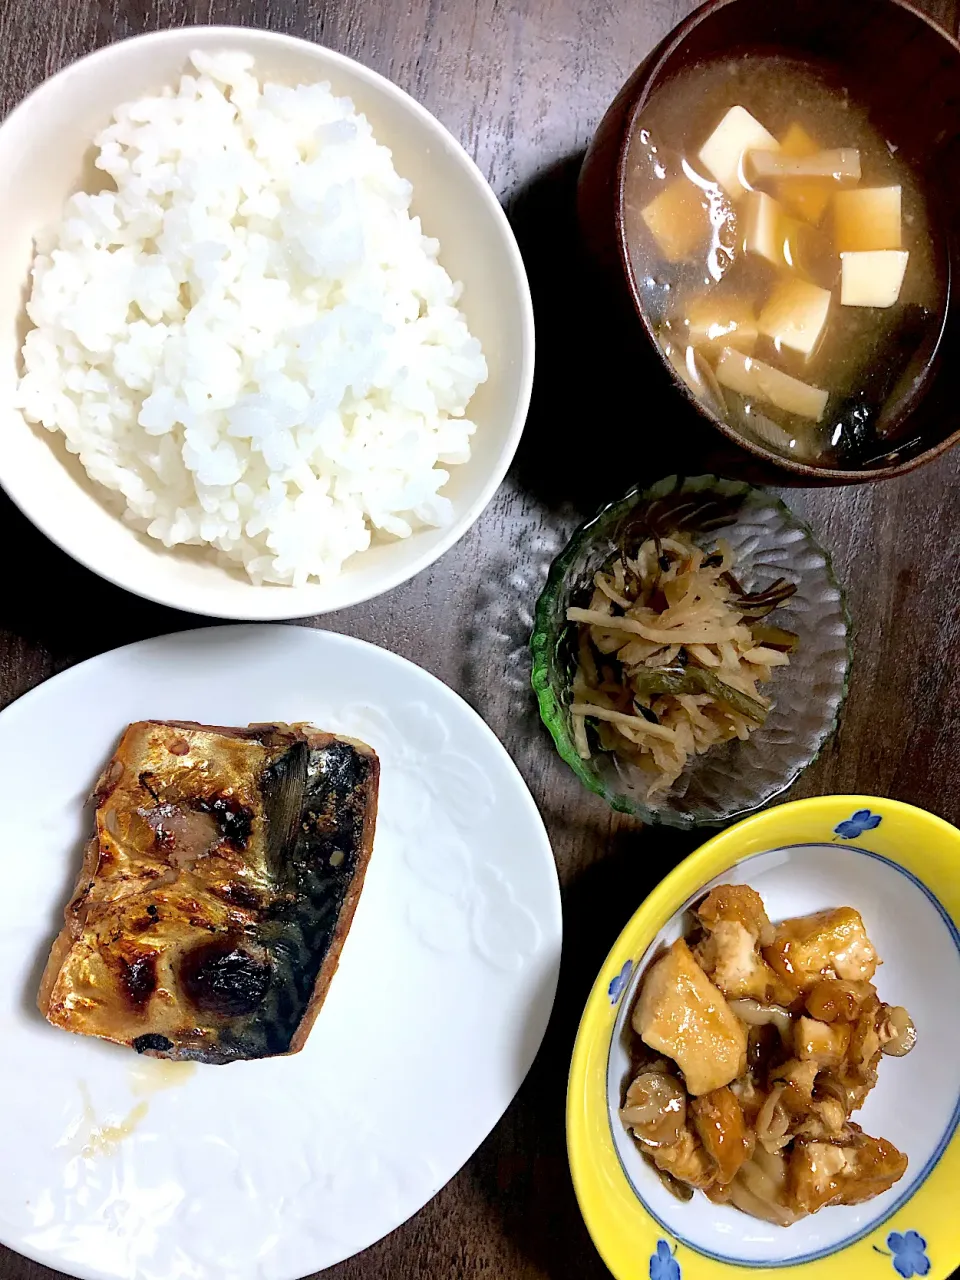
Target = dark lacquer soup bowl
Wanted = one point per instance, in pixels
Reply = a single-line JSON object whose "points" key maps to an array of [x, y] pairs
{"points": [[905, 73]]}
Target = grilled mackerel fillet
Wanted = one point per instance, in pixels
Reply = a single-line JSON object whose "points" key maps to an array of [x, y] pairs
{"points": [[215, 898]]}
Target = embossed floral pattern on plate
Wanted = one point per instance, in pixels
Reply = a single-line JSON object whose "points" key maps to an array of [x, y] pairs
{"points": [[458, 901], [276, 1169]]}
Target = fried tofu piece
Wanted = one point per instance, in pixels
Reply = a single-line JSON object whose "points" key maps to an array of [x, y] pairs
{"points": [[836, 1000], [847, 1172], [730, 957], [718, 1120], [737, 924], [827, 944], [740, 903], [682, 1015]]}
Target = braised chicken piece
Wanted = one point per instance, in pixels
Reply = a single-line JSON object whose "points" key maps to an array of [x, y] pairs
{"points": [[687, 1161], [799, 1080], [682, 1014], [820, 1042], [771, 1038], [825, 1120]]}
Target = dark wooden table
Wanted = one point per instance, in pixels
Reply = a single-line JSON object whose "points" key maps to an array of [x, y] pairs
{"points": [[523, 83]]}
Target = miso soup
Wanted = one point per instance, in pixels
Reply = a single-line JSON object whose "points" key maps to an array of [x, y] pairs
{"points": [[786, 256]]}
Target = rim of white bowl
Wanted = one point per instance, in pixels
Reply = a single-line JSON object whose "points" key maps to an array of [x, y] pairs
{"points": [[276, 602]]}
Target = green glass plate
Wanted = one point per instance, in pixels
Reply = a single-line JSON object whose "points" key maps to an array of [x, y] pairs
{"points": [[769, 542]]}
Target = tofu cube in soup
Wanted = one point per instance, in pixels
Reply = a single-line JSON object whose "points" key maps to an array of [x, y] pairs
{"points": [[678, 219], [763, 227], [722, 153], [795, 314], [787, 243], [681, 1014], [808, 198], [867, 218], [873, 278], [717, 322]]}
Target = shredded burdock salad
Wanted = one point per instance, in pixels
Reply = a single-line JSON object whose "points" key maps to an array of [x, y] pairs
{"points": [[671, 651]]}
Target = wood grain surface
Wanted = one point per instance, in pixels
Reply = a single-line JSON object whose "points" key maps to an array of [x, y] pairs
{"points": [[523, 84]]}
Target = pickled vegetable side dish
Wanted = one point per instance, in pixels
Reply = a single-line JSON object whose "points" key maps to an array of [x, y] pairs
{"points": [[786, 257], [671, 649]]}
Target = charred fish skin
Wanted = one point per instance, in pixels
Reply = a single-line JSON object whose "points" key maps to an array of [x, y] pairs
{"points": [[319, 873], [212, 907]]}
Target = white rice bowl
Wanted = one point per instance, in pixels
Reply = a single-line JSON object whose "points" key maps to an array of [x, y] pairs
{"points": [[250, 340]]}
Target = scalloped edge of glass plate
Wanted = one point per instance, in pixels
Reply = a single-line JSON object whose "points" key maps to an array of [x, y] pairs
{"points": [[543, 637]]}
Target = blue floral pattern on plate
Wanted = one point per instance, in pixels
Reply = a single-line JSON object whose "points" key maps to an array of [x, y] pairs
{"points": [[664, 1266], [908, 1251], [859, 822], [618, 984]]}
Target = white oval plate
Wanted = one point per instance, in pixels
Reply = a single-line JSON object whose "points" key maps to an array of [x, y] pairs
{"points": [[117, 1166]]}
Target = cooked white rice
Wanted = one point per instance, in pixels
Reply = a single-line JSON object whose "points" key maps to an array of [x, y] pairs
{"points": [[250, 339]]}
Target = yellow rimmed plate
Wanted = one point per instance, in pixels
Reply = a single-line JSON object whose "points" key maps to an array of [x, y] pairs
{"points": [[900, 867]]}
